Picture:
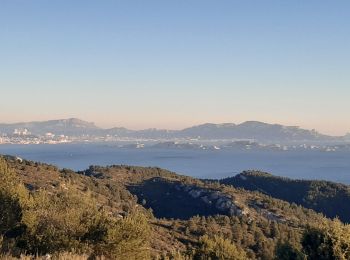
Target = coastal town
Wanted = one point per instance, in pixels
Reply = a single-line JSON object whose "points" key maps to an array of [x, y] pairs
{"points": [[25, 137]]}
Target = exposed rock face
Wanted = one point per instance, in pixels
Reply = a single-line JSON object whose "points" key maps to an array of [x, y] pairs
{"points": [[259, 207], [222, 202], [174, 199]]}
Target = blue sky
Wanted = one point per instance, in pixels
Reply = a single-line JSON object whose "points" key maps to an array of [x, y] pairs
{"points": [[172, 64]]}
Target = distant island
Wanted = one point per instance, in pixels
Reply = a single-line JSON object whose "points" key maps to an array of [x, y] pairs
{"points": [[77, 130]]}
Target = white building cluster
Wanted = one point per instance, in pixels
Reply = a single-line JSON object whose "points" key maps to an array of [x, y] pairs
{"points": [[21, 132]]}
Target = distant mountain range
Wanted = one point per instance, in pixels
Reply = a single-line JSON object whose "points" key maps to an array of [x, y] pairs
{"points": [[253, 130]]}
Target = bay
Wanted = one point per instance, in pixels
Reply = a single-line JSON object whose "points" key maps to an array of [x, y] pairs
{"points": [[214, 164]]}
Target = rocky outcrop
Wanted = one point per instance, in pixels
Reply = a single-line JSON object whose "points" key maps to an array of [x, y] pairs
{"points": [[222, 202]]}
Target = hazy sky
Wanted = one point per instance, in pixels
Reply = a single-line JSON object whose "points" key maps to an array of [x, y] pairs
{"points": [[172, 64]]}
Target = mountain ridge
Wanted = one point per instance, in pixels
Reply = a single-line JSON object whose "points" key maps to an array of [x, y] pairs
{"points": [[328, 198], [254, 130]]}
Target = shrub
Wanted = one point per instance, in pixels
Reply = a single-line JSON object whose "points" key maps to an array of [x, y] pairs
{"points": [[218, 248], [126, 238], [329, 240], [285, 251]]}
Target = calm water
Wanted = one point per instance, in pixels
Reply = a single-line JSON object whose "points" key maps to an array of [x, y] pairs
{"points": [[334, 166]]}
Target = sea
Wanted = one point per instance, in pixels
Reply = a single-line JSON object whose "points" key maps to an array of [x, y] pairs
{"points": [[209, 164]]}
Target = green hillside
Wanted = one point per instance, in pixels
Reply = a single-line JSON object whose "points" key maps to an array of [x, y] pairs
{"points": [[331, 199], [126, 212]]}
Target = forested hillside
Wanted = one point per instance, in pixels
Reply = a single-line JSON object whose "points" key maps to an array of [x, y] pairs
{"points": [[331, 199], [125, 212]]}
